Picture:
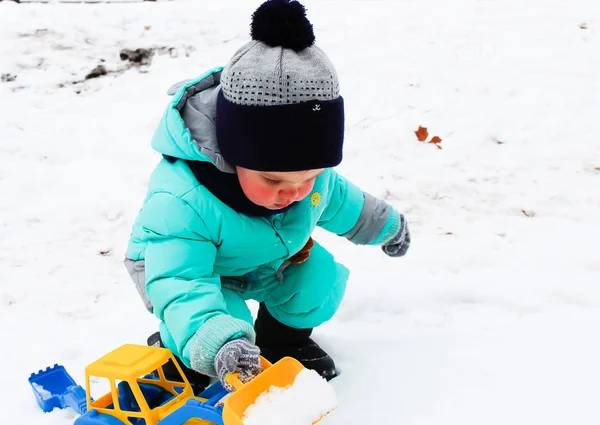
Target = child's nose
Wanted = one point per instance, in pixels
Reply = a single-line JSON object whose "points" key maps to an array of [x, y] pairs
{"points": [[290, 192]]}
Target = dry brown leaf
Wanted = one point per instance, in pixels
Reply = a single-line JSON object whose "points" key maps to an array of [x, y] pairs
{"points": [[302, 255], [436, 141], [583, 26], [528, 213], [422, 134], [147, 27]]}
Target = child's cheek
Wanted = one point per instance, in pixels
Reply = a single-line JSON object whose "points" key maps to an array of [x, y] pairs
{"points": [[305, 190], [265, 194]]}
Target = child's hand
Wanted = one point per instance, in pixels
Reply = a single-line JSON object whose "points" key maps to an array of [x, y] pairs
{"points": [[239, 355], [398, 245]]}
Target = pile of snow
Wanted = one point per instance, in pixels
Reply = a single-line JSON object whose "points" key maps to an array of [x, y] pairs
{"points": [[308, 399], [44, 393]]}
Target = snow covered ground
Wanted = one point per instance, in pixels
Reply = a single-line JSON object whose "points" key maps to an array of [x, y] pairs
{"points": [[494, 315]]}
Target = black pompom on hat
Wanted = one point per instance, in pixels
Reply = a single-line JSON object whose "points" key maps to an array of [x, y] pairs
{"points": [[282, 23]]}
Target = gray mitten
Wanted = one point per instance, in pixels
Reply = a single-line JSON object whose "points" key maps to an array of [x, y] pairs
{"points": [[239, 355], [398, 245]]}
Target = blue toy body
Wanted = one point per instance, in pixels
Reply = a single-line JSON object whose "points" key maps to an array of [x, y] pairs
{"points": [[94, 418], [194, 409]]}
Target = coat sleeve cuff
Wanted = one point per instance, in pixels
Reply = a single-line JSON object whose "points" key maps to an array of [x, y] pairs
{"points": [[389, 230], [212, 335]]}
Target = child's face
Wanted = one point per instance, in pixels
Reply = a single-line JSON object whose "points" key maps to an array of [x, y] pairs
{"points": [[276, 190]]}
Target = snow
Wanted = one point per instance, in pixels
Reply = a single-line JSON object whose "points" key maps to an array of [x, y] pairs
{"points": [[44, 393], [302, 403], [493, 315]]}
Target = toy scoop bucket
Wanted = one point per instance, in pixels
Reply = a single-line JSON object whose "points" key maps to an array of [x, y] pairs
{"points": [[281, 374], [55, 388]]}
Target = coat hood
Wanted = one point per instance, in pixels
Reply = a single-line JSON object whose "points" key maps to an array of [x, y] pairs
{"points": [[187, 129]]}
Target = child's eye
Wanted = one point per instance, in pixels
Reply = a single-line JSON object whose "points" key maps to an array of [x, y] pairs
{"points": [[273, 182]]}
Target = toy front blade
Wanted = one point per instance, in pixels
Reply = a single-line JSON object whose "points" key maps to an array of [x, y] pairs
{"points": [[281, 374]]}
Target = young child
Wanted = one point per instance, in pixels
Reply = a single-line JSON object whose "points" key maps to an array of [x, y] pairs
{"points": [[246, 177]]}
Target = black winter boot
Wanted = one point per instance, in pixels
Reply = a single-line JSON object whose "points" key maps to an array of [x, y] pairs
{"points": [[277, 340], [198, 381]]}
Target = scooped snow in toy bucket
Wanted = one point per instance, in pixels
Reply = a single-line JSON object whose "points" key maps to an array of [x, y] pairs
{"points": [[283, 393]]}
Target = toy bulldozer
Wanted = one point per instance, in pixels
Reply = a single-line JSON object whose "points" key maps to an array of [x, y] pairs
{"points": [[141, 395]]}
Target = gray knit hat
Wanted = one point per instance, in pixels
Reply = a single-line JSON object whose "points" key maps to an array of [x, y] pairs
{"points": [[279, 108], [283, 75]]}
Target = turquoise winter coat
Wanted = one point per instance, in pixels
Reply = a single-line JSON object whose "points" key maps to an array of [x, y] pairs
{"points": [[187, 246]]}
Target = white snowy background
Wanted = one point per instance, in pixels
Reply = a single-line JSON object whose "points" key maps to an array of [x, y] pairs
{"points": [[493, 317]]}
